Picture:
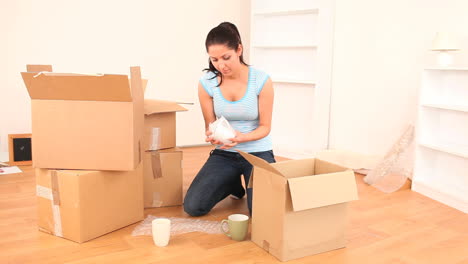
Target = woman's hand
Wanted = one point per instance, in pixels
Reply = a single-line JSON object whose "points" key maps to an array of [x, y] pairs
{"points": [[239, 138], [211, 140]]}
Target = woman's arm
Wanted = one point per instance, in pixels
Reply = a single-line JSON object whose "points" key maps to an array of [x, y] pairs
{"points": [[206, 103]]}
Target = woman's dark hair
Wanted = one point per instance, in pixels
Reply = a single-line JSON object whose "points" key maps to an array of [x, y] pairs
{"points": [[227, 34]]}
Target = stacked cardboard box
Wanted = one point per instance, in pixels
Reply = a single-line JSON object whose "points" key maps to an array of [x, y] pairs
{"points": [[299, 206], [162, 161], [87, 133]]}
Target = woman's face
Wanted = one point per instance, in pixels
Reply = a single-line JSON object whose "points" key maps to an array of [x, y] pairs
{"points": [[225, 59]]}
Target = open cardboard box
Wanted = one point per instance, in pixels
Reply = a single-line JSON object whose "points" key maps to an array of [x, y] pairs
{"points": [[81, 205], [160, 114], [299, 206], [162, 166], [81, 121]]}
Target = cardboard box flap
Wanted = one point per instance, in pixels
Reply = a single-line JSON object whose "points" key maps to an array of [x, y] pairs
{"points": [[144, 83], [153, 106], [322, 190], [295, 168], [258, 162], [80, 87], [322, 166]]}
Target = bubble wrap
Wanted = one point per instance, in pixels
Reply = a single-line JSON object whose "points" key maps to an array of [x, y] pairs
{"points": [[179, 226], [391, 173]]}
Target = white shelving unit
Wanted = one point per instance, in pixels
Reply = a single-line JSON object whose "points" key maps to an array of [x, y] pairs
{"points": [[441, 165], [292, 41]]}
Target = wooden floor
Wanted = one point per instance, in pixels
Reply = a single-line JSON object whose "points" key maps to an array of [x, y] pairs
{"points": [[402, 227]]}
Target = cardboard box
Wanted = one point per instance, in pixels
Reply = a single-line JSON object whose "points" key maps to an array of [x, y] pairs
{"points": [[299, 206], [81, 205], [79, 121], [161, 115], [163, 178]]}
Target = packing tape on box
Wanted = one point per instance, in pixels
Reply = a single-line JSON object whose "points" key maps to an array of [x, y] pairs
{"points": [[157, 202], [266, 246], [156, 165], [155, 138], [139, 151], [47, 193], [55, 188]]}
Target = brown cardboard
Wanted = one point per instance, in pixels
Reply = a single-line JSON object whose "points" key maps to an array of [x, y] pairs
{"points": [[38, 68], [163, 178], [81, 205], [161, 114], [79, 121], [299, 206]]}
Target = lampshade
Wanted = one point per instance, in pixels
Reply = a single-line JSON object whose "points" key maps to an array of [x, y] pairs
{"points": [[444, 41]]}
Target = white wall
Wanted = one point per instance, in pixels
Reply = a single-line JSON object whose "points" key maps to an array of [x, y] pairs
{"points": [[380, 49], [175, 54], [166, 38]]}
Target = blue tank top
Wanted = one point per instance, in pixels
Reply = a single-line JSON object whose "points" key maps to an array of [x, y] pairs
{"points": [[241, 114]]}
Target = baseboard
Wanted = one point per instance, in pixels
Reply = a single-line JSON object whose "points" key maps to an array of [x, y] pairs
{"points": [[292, 155], [439, 196], [194, 145], [350, 159], [284, 154]]}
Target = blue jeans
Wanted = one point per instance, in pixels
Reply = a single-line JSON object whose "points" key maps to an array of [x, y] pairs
{"points": [[220, 177]]}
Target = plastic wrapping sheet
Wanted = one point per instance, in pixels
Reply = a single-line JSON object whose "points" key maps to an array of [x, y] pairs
{"points": [[179, 226], [396, 167], [221, 130]]}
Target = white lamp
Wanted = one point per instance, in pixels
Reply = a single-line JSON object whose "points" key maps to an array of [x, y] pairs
{"points": [[444, 43]]}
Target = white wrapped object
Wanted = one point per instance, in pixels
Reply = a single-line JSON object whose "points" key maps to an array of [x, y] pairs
{"points": [[221, 130], [179, 226]]}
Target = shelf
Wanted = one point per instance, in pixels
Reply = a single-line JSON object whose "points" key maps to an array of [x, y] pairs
{"points": [[441, 160], [309, 82], [285, 46], [447, 148], [288, 12], [292, 41], [460, 108]]}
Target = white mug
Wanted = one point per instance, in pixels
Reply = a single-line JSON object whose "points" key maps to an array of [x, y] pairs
{"points": [[161, 229]]}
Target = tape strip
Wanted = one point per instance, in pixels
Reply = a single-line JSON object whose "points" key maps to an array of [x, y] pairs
{"points": [[139, 151], [156, 165], [157, 199], [155, 143], [55, 188], [46, 193], [266, 246]]}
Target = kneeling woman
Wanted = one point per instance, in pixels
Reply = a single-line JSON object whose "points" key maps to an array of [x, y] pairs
{"points": [[244, 96]]}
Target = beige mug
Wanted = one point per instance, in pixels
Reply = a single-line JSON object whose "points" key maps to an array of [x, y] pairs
{"points": [[238, 224]]}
